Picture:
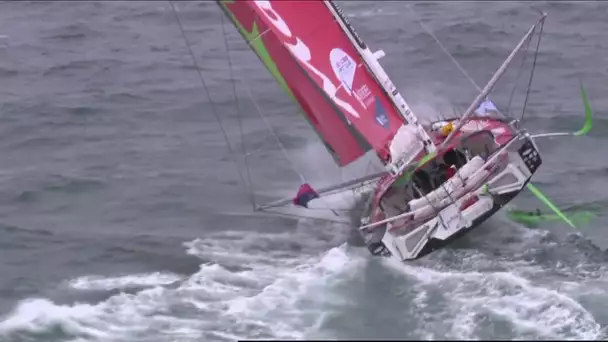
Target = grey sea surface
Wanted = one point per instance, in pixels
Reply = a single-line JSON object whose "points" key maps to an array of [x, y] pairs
{"points": [[123, 218]]}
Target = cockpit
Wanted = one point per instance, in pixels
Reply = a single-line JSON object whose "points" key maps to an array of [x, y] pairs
{"points": [[436, 172]]}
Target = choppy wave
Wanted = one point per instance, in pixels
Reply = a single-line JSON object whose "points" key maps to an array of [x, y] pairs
{"points": [[272, 298], [253, 285], [504, 304], [502, 282]]}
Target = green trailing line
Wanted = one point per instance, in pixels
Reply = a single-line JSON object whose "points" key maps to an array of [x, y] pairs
{"points": [[532, 219], [586, 128], [549, 204], [588, 114], [588, 120], [523, 216]]}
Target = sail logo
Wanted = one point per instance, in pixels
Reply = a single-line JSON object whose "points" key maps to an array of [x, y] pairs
{"points": [[381, 117], [344, 67], [365, 95], [302, 52]]}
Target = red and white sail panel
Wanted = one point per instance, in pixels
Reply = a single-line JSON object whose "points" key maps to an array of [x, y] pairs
{"points": [[308, 52]]}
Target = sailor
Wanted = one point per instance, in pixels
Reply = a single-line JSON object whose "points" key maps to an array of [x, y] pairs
{"points": [[384, 153], [438, 174], [455, 159], [447, 129], [422, 182], [534, 213], [450, 170], [450, 163]]}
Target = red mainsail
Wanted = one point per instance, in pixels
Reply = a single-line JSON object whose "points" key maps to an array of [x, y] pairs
{"points": [[310, 55]]}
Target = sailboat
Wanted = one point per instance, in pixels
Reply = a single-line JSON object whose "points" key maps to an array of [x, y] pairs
{"points": [[441, 179]]}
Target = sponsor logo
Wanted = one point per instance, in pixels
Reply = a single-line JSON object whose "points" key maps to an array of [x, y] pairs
{"points": [[344, 67], [349, 27], [530, 156], [303, 53], [363, 92], [381, 117], [365, 95]]}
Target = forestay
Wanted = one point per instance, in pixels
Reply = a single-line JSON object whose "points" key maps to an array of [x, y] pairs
{"points": [[312, 57]]}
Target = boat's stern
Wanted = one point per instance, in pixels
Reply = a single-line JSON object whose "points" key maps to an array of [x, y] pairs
{"points": [[479, 189]]}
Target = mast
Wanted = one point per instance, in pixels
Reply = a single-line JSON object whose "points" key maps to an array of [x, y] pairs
{"points": [[371, 59], [486, 90]]}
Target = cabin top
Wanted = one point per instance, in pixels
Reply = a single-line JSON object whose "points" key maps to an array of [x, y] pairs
{"points": [[481, 136]]}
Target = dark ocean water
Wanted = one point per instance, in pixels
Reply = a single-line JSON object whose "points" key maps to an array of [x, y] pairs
{"points": [[122, 217]]}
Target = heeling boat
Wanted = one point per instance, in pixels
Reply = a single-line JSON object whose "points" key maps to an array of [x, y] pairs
{"points": [[441, 180]]}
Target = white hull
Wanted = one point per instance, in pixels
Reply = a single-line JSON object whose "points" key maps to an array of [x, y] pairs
{"points": [[446, 221]]}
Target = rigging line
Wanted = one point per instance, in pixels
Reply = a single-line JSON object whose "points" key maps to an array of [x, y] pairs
{"points": [[260, 148], [292, 216], [435, 210], [272, 131], [521, 67], [409, 7], [238, 111], [452, 198], [540, 34], [276, 137], [202, 79], [464, 71], [325, 210]]}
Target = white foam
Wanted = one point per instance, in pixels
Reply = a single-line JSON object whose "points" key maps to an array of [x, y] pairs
{"points": [[294, 299], [376, 12], [254, 285], [531, 309], [37, 315], [267, 296], [97, 282]]}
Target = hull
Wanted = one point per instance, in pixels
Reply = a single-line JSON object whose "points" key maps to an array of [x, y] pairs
{"points": [[435, 244], [482, 185]]}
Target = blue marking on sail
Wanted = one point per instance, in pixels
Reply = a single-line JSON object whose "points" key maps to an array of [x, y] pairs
{"points": [[381, 117]]}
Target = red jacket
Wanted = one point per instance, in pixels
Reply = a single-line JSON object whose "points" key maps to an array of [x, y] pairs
{"points": [[451, 171]]}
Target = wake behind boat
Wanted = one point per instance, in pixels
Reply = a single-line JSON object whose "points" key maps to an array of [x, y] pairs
{"points": [[441, 180]]}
